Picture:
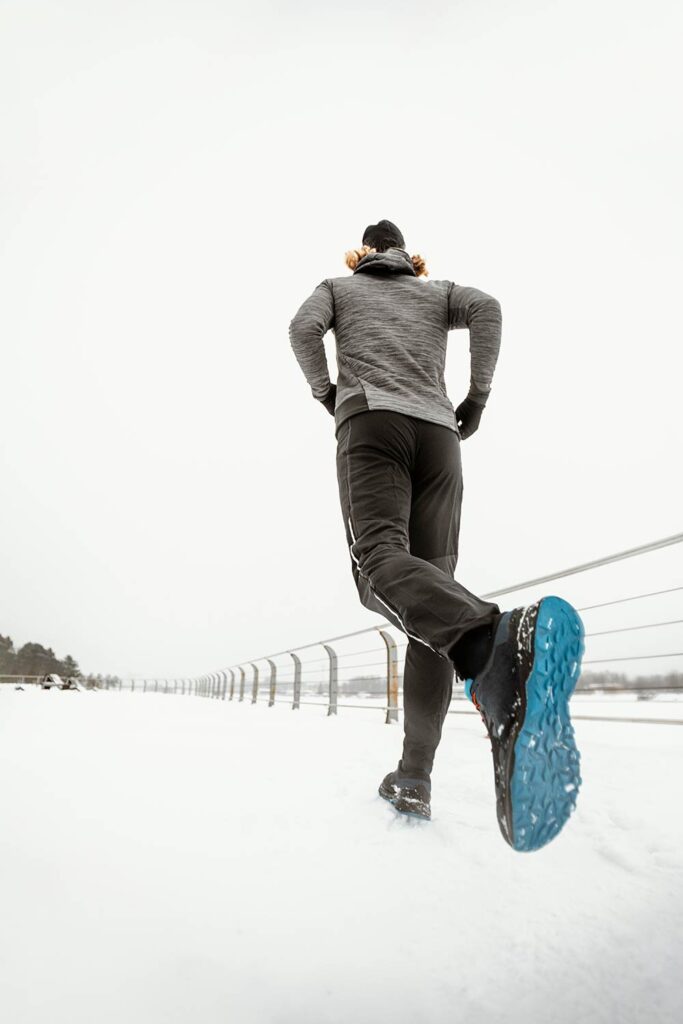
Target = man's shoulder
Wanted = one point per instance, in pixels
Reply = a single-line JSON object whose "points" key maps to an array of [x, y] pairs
{"points": [[354, 280]]}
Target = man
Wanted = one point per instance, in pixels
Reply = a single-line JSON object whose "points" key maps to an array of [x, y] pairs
{"points": [[400, 485]]}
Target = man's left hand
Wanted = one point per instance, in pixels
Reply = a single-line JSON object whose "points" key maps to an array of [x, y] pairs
{"points": [[330, 398]]}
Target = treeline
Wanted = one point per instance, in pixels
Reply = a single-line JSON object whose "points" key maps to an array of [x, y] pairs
{"points": [[359, 684], [619, 681], [101, 682], [36, 660]]}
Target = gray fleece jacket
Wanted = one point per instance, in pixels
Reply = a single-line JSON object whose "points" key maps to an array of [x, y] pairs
{"points": [[391, 329]]}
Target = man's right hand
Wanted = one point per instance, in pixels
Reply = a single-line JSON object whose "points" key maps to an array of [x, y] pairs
{"points": [[468, 416]]}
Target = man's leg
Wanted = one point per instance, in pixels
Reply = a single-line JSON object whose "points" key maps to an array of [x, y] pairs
{"points": [[434, 532], [381, 486], [427, 690], [376, 453]]}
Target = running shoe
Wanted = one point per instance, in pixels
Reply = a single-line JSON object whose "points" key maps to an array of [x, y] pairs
{"points": [[522, 694], [408, 794]]}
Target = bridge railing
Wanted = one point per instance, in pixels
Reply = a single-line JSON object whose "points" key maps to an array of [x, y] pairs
{"points": [[370, 660]]}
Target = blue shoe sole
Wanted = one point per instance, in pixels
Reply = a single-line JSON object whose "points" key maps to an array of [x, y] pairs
{"points": [[546, 777]]}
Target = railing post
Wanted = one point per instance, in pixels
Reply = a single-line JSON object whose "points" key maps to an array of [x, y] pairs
{"points": [[144, 686], [132, 685], [254, 685], [224, 683], [232, 683], [296, 701], [273, 682], [241, 671], [332, 702], [392, 677]]}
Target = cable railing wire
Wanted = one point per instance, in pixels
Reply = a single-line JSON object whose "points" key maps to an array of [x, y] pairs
{"points": [[471, 713], [244, 682], [633, 657], [618, 556], [629, 629], [623, 600]]}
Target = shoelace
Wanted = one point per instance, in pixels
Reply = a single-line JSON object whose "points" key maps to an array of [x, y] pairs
{"points": [[473, 698], [476, 703]]}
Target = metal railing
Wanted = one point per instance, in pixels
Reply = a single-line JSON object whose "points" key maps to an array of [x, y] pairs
{"points": [[19, 680], [302, 678]]}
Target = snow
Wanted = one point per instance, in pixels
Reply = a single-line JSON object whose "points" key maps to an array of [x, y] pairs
{"points": [[168, 859]]}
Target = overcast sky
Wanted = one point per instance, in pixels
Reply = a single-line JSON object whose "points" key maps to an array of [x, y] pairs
{"points": [[176, 179]]}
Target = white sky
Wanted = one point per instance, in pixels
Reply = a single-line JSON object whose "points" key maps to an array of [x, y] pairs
{"points": [[178, 176]]}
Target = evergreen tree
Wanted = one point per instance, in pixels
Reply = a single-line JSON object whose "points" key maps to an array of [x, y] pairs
{"points": [[7, 656], [70, 668], [35, 660]]}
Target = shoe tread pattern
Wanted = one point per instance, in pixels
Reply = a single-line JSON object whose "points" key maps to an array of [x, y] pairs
{"points": [[546, 776]]}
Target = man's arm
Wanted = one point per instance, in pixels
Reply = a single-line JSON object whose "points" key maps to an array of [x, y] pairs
{"points": [[306, 332], [469, 307]]}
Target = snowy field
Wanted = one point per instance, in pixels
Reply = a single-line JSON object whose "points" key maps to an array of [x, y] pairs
{"points": [[166, 860]]}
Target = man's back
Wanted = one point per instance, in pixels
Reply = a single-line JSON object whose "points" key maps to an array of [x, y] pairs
{"points": [[391, 330]]}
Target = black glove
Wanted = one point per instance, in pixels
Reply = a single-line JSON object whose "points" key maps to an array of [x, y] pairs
{"points": [[330, 398], [468, 414]]}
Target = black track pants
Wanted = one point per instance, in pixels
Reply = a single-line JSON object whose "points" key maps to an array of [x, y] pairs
{"points": [[400, 487]]}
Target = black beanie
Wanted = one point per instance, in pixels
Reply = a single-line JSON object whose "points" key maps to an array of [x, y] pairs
{"points": [[383, 235]]}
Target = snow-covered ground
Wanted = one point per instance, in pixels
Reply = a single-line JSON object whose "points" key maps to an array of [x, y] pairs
{"points": [[171, 860]]}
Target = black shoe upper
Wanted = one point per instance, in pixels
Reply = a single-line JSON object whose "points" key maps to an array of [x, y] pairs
{"points": [[499, 694], [410, 794], [499, 690]]}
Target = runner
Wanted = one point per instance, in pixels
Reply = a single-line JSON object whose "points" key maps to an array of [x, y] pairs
{"points": [[399, 472]]}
